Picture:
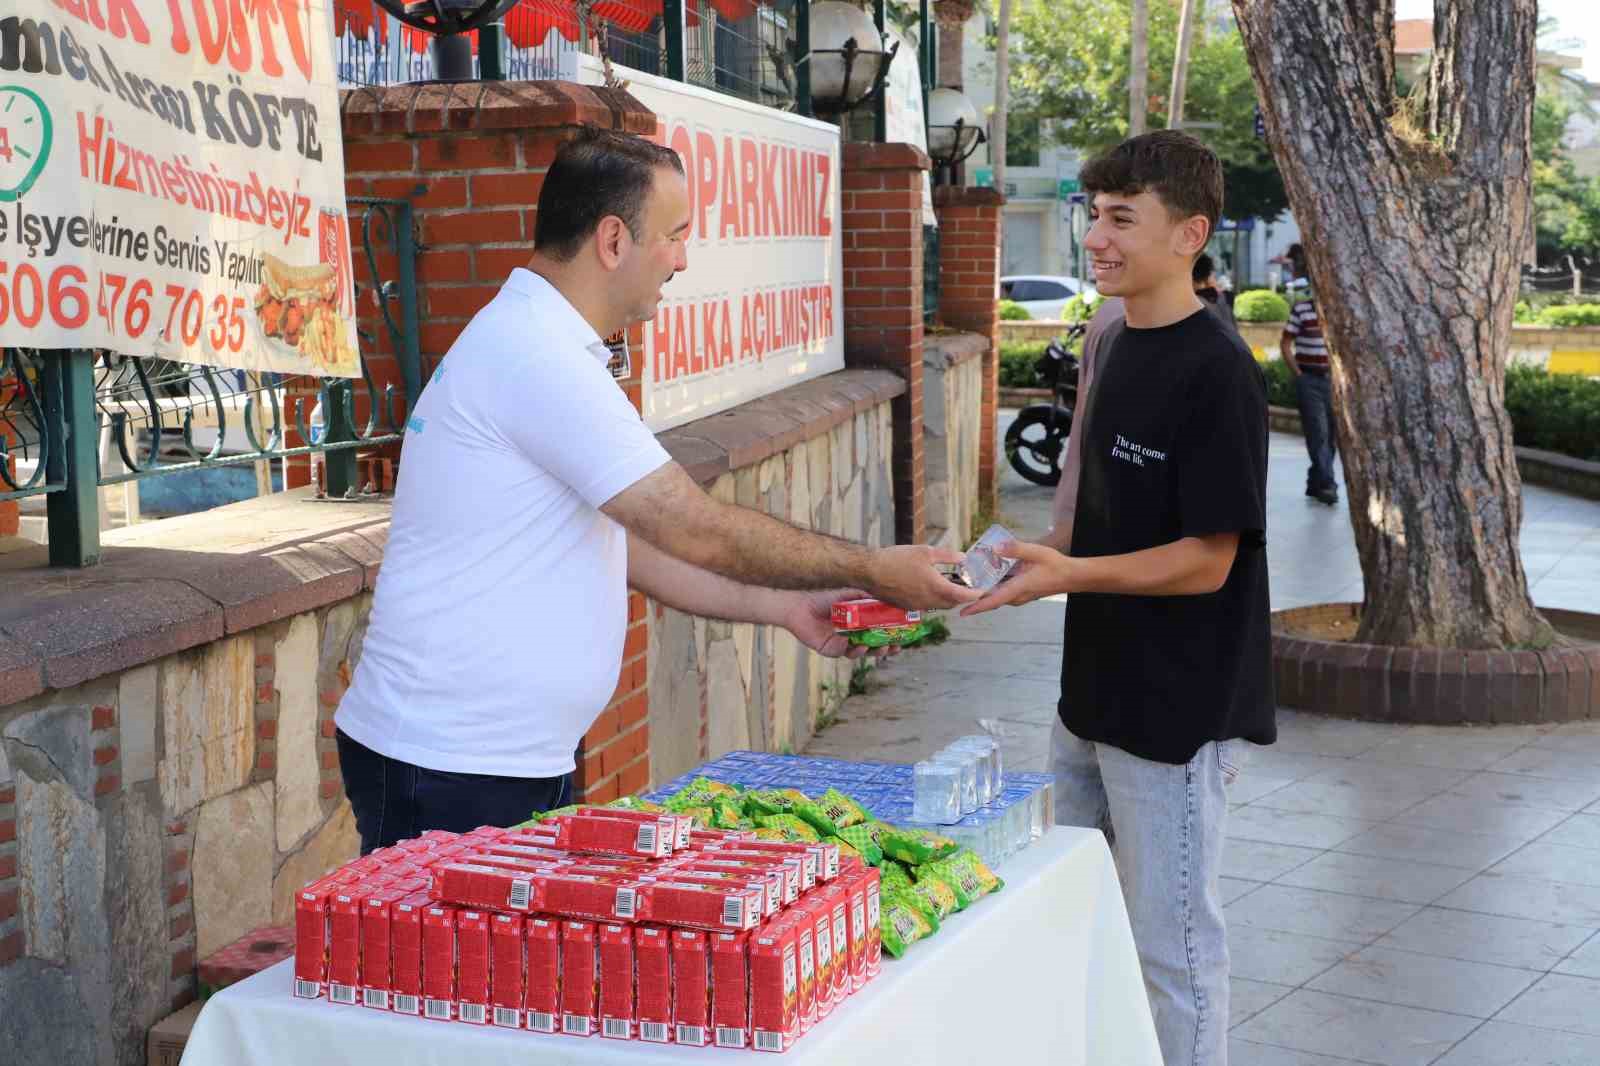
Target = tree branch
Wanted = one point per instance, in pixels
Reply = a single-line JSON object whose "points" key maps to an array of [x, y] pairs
{"points": [[1476, 105]]}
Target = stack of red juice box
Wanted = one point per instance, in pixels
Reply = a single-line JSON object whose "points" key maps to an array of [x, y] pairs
{"points": [[611, 922]]}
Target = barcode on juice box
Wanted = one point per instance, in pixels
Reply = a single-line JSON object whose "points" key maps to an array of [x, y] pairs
{"points": [[404, 1004], [508, 1018], [654, 1032], [376, 998], [575, 1024], [474, 1013], [646, 841], [342, 994], [307, 989], [617, 1028], [766, 1041], [627, 902], [521, 894], [727, 1037], [540, 1022], [438, 1009], [733, 912], [691, 1034]]}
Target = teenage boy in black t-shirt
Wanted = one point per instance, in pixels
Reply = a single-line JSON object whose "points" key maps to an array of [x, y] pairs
{"points": [[1166, 675]]}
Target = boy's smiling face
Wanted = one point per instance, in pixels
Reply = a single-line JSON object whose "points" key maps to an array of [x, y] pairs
{"points": [[1136, 245]]}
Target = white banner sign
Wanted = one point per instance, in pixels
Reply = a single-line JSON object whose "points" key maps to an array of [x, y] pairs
{"points": [[172, 183], [760, 307]]}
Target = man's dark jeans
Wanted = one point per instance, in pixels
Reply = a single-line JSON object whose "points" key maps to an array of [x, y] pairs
{"points": [[1314, 392], [394, 800]]}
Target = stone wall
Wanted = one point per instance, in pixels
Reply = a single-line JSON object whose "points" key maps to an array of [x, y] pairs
{"points": [[952, 416], [817, 455]]}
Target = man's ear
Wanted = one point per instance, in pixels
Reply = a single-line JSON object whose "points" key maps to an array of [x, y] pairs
{"points": [[612, 241], [1192, 235]]}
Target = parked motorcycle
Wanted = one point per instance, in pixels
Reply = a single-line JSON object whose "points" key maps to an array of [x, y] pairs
{"points": [[1037, 440]]}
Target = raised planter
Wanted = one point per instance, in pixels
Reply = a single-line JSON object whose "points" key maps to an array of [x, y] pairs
{"points": [[1430, 686]]}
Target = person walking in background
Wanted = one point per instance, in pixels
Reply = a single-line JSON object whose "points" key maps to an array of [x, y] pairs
{"points": [[1206, 287], [1305, 352]]}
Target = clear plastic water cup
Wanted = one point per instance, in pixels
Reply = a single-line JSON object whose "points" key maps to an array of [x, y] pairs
{"points": [[982, 567], [989, 776], [968, 762], [936, 797]]}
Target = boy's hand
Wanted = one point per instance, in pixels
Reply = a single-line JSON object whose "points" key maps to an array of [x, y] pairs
{"points": [[1042, 572]]}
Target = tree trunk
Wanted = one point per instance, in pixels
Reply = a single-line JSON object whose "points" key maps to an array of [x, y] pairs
{"points": [[1139, 68], [1414, 227], [952, 56], [1190, 14], [1002, 93]]}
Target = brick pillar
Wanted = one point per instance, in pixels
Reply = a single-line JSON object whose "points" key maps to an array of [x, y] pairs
{"points": [[882, 232], [478, 154], [969, 287]]}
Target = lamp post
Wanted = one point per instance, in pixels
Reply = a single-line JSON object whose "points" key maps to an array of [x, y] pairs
{"points": [[848, 60], [450, 21], [954, 131]]}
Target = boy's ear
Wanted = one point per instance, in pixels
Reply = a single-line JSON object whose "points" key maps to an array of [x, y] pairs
{"points": [[1193, 234]]}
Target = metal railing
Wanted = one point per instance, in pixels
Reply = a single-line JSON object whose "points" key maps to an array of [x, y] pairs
{"points": [[739, 47], [62, 411]]}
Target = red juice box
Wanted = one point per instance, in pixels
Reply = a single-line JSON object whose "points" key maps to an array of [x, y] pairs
{"points": [[794, 867], [823, 859], [506, 985], [614, 836], [870, 613], [414, 847], [439, 836], [596, 897], [855, 886], [653, 977], [872, 879], [387, 855], [771, 899], [579, 1006], [679, 826], [734, 906], [473, 884], [716, 838], [344, 946], [375, 936], [730, 989], [472, 967], [775, 986], [543, 939], [311, 938], [405, 953], [775, 874], [820, 915], [806, 950], [485, 832], [616, 982], [838, 902], [691, 987], [439, 962]]}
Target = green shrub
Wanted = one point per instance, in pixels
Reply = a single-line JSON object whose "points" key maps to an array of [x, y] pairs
{"points": [[1280, 383], [1016, 364], [1570, 315], [1555, 412], [1260, 305], [1011, 311], [1080, 308], [1524, 314]]}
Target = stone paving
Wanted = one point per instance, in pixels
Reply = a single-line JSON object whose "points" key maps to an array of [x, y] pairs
{"points": [[1396, 895]]}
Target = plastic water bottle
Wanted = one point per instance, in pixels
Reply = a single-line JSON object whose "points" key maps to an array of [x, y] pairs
{"points": [[317, 430], [936, 796]]}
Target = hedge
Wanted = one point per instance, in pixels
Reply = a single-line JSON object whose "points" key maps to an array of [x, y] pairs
{"points": [[1011, 311], [1260, 305]]}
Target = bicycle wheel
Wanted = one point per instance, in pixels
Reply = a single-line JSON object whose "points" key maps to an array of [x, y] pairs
{"points": [[1034, 448]]}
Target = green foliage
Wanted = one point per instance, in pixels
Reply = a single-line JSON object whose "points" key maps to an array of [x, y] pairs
{"points": [[1569, 315], [1016, 365], [1070, 68], [1566, 205], [1280, 383], [1555, 412], [1011, 311], [1524, 313], [1081, 308], [1260, 305]]}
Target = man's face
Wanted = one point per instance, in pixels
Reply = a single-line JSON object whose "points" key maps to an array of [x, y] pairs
{"points": [[1135, 244], [662, 248]]}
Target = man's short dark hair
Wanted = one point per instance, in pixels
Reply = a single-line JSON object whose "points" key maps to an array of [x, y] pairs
{"points": [[1203, 268], [597, 173], [1171, 165]]}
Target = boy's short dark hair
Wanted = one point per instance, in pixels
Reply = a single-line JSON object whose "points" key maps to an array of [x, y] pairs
{"points": [[1171, 165], [597, 173], [1203, 268]]}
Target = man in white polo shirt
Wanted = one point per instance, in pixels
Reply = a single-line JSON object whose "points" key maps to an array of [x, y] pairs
{"points": [[531, 496]]}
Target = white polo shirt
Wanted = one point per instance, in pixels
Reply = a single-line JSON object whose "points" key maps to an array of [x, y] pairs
{"points": [[497, 629]]}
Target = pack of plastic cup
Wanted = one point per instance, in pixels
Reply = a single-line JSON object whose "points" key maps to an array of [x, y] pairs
{"points": [[983, 567]]}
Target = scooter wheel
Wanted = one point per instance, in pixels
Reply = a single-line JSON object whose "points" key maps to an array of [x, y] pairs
{"points": [[1034, 447]]}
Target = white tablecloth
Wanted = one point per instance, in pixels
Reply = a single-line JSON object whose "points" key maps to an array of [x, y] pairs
{"points": [[1043, 972]]}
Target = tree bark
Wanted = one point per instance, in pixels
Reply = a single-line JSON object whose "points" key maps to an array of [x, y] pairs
{"points": [[1189, 15], [1414, 227], [1002, 93], [1139, 67]]}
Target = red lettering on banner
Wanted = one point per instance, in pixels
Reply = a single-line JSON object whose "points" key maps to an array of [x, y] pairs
{"points": [[725, 354], [827, 310], [660, 347], [705, 154], [749, 189], [824, 175], [760, 331], [746, 345], [697, 357], [771, 206], [680, 344], [730, 193], [122, 18]]}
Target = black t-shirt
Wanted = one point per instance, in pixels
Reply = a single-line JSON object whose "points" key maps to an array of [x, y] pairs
{"points": [[1175, 446]]}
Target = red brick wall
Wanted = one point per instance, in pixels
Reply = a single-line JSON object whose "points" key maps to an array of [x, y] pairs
{"points": [[969, 286], [478, 158], [882, 232]]}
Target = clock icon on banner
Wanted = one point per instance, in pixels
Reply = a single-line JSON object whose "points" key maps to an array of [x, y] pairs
{"points": [[25, 132]]}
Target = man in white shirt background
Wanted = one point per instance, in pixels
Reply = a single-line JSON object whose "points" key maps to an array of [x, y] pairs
{"points": [[531, 496]]}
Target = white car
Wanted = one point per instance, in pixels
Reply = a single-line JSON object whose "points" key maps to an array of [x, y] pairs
{"points": [[1044, 296]]}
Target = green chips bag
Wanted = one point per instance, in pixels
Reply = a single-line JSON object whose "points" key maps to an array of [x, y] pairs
{"points": [[894, 875], [758, 802], [964, 872], [571, 808], [916, 846], [702, 816], [936, 872], [938, 899], [727, 812], [791, 823], [862, 839], [902, 923], [844, 848], [634, 803]]}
